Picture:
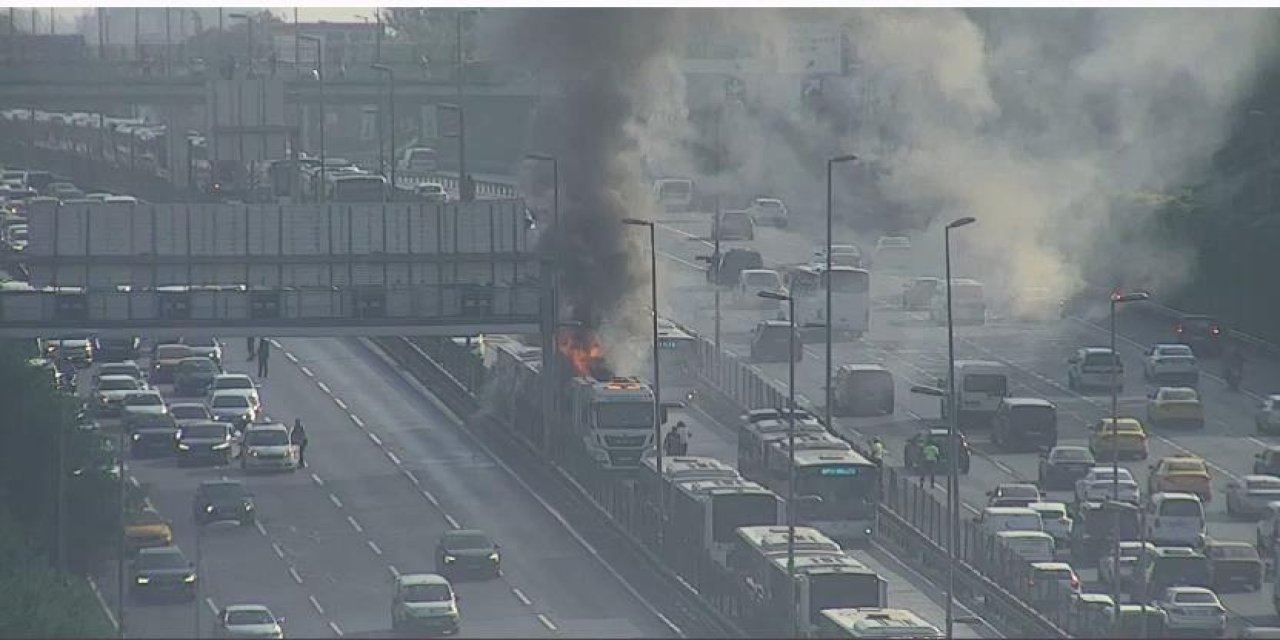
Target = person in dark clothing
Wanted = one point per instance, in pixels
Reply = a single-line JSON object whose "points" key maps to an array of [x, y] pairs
{"points": [[264, 354], [299, 437], [251, 342], [671, 443]]}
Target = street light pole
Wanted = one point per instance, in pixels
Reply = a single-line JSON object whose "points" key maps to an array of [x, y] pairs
{"points": [[462, 122], [121, 586], [716, 213], [1117, 298], [791, 451], [826, 275], [462, 156], [391, 116], [657, 380], [953, 440], [319, 42], [550, 413]]}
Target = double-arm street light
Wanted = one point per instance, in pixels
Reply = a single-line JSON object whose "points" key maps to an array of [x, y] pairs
{"points": [[791, 450], [953, 435], [830, 317], [319, 42], [550, 415], [1116, 299], [657, 380], [391, 115]]}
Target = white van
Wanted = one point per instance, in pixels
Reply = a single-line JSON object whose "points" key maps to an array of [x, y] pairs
{"points": [[1175, 519], [996, 519], [675, 195], [1032, 546], [980, 387]]}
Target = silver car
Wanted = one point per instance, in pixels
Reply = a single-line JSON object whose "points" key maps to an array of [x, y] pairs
{"points": [[247, 621], [1248, 496], [268, 447]]}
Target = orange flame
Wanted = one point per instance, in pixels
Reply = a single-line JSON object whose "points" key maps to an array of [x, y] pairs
{"points": [[581, 349]]}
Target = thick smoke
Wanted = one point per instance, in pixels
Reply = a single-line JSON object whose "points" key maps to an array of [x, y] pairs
{"points": [[603, 73]]}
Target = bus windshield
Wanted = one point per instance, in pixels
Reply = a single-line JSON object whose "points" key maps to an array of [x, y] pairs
{"points": [[624, 415], [358, 189], [842, 591], [856, 281], [847, 490]]}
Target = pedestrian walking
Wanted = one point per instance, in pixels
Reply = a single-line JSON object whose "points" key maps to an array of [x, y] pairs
{"points": [[264, 355], [931, 455], [299, 437], [250, 343], [877, 450], [671, 443]]}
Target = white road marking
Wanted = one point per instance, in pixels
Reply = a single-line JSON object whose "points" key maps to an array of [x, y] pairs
{"points": [[336, 629], [325, 388], [374, 437], [522, 597], [261, 529], [212, 607], [338, 401], [316, 603], [412, 478], [292, 358], [453, 523], [336, 502], [293, 573], [102, 602], [373, 547], [275, 546], [355, 525], [546, 622], [395, 573], [316, 479], [356, 419], [430, 498], [133, 480], [307, 372], [394, 459], [1258, 442]]}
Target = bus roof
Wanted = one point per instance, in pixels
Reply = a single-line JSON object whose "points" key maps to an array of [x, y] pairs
{"points": [[818, 457], [838, 562], [722, 486], [883, 623], [677, 468], [769, 540], [979, 366]]}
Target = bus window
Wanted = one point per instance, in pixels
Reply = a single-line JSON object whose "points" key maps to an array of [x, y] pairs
{"points": [[847, 490]]}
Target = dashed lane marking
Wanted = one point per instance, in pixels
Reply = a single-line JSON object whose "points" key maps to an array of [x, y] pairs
{"points": [[316, 603], [212, 607], [355, 525], [293, 573], [395, 573], [546, 622], [275, 546], [356, 419], [453, 523], [307, 372], [336, 629], [338, 401], [292, 358], [394, 459], [102, 602], [261, 529], [412, 478], [373, 547], [522, 597], [325, 388], [134, 481], [336, 502], [316, 479], [374, 437], [430, 498]]}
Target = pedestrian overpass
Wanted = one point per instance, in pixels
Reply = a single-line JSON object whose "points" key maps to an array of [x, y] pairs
{"points": [[280, 270]]}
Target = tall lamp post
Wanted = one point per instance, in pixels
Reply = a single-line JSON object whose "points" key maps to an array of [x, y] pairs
{"points": [[657, 380], [791, 450], [1117, 298], [319, 42], [830, 319], [462, 123], [953, 438], [462, 145], [550, 415], [249, 21], [391, 115]]}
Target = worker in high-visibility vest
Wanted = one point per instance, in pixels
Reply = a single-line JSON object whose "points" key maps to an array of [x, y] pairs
{"points": [[931, 455]]}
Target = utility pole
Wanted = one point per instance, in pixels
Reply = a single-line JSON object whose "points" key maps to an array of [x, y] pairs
{"points": [[462, 126]]}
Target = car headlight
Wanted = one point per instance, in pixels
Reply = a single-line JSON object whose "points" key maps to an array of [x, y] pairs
{"points": [[182, 446], [143, 580], [137, 437], [253, 452], [103, 399], [208, 508], [221, 445], [449, 558], [191, 577], [493, 557], [248, 506]]}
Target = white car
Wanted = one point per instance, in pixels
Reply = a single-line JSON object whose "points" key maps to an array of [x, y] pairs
{"points": [[1130, 551], [111, 391], [1095, 368], [431, 192], [769, 211], [1250, 495], [1171, 363], [1194, 609], [126, 368], [231, 381], [236, 406], [138, 404], [753, 281], [1056, 522], [268, 446], [1097, 486], [1267, 419], [247, 621]]}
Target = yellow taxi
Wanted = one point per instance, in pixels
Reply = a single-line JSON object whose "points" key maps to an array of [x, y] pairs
{"points": [[146, 529], [1185, 474], [1126, 437], [1175, 406]]}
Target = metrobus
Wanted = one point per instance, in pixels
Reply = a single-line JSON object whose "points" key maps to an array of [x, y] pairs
{"points": [[677, 358], [873, 622], [839, 491]]}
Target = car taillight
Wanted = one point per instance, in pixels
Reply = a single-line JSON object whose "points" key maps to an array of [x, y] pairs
{"points": [[1177, 328], [1075, 582]]}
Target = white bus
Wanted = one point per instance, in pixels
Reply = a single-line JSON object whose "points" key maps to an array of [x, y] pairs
{"points": [[874, 623]]}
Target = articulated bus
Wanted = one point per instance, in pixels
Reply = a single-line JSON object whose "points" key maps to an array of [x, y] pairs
{"points": [[872, 622], [837, 488], [678, 359]]}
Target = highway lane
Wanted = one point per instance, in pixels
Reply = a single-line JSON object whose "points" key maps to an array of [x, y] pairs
{"points": [[915, 351], [422, 451]]}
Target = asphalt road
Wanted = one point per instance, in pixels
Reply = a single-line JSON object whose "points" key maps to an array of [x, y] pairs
{"points": [[915, 351], [388, 472]]}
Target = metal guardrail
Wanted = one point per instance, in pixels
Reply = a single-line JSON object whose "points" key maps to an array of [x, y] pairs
{"points": [[487, 186]]}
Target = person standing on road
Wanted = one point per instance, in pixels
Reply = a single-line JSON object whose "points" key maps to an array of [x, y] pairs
{"points": [[250, 345], [299, 437], [931, 455], [264, 354], [877, 450]]}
